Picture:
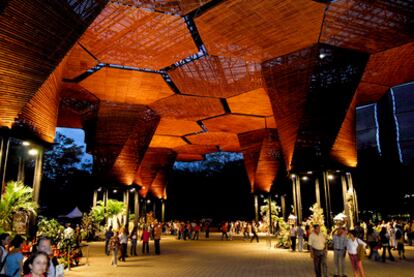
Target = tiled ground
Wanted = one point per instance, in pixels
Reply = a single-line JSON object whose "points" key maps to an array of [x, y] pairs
{"points": [[225, 258]]}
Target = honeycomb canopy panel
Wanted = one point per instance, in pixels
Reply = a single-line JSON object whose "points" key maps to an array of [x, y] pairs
{"points": [[180, 7], [166, 141], [255, 102], [189, 157], [226, 141], [369, 93], [174, 127], [260, 29], [78, 61], [184, 107], [195, 149], [217, 76], [234, 123], [131, 36], [369, 26], [127, 86]]}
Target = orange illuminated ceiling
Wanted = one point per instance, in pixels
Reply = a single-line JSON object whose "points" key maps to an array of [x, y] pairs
{"points": [[192, 77], [127, 86], [132, 36]]}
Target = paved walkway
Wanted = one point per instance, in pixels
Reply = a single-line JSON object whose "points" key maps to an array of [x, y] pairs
{"points": [[225, 258]]}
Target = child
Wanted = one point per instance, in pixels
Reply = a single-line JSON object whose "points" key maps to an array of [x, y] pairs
{"points": [[36, 265]]}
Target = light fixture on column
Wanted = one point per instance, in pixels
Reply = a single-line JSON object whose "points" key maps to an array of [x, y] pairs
{"points": [[33, 152], [305, 178], [26, 143], [330, 177]]}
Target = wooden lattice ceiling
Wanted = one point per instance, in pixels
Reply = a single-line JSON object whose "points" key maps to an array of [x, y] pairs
{"points": [[126, 35], [127, 86], [260, 30], [196, 76]]}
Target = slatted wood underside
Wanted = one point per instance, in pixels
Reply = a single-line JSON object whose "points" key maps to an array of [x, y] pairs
{"points": [[132, 36], [368, 26], [78, 62], [344, 150], [123, 134], [158, 187], [384, 70], [167, 141], [154, 160], [234, 123], [41, 112], [180, 7], [217, 77], [269, 161], [127, 86], [189, 157], [226, 141], [255, 102], [35, 35], [188, 107], [260, 30], [174, 127]]}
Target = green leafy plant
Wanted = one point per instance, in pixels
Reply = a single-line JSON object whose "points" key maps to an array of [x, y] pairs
{"points": [[16, 197], [51, 229]]}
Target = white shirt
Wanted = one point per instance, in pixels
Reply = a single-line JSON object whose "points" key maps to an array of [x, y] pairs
{"points": [[317, 241], [352, 245]]}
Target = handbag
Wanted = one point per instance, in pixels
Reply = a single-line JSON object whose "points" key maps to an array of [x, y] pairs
{"points": [[361, 251]]}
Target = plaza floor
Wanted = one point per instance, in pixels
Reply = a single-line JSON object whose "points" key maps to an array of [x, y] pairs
{"points": [[225, 258]]}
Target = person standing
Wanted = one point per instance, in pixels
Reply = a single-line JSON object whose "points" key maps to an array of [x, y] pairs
{"points": [[292, 235], [352, 246], [4, 242], [45, 245], [157, 238], [145, 237], [399, 236], [318, 251], [114, 247], [372, 240], [123, 239], [196, 232], [207, 229], [14, 261], [108, 235], [339, 243], [37, 265]]}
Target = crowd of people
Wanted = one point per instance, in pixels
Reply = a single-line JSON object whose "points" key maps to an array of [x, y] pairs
{"points": [[39, 262], [388, 236]]}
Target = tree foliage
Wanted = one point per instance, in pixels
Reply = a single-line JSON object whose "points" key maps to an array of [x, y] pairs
{"points": [[16, 197]]}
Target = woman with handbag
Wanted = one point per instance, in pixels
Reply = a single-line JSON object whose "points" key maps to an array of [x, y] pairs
{"points": [[356, 252]]}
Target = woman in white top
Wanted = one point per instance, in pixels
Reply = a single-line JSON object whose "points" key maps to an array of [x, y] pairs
{"points": [[352, 246], [4, 242]]}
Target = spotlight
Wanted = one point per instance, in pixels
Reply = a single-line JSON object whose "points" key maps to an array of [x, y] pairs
{"points": [[114, 191], [26, 143], [330, 177], [304, 178], [33, 152], [322, 56]]}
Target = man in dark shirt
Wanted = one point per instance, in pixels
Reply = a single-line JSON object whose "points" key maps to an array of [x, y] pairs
{"points": [[108, 235]]}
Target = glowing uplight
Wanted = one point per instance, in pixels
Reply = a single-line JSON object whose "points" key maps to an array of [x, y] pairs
{"points": [[304, 178], [26, 143], [148, 201], [33, 152], [114, 191], [322, 55], [330, 177]]}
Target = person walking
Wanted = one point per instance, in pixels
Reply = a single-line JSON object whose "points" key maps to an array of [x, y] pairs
{"points": [[318, 251], [157, 238], [385, 243], [134, 239], [254, 232], [108, 235], [372, 240], [352, 245], [292, 235], [339, 244], [145, 237]]}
